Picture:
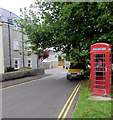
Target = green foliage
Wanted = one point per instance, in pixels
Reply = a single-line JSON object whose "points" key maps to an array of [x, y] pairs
{"points": [[24, 68], [44, 55], [60, 58], [9, 69], [27, 67], [70, 27]]}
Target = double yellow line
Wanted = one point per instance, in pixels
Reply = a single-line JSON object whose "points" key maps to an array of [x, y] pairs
{"points": [[69, 102]]}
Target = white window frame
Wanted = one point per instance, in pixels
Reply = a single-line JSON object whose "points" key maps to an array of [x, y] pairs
{"points": [[16, 45], [29, 63], [15, 27], [29, 49], [17, 64]]}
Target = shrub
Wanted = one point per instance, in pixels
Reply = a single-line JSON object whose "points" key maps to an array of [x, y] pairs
{"points": [[87, 72], [9, 69]]}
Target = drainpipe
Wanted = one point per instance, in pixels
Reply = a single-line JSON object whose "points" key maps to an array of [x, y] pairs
{"points": [[37, 61], [1, 51], [9, 45], [23, 49]]}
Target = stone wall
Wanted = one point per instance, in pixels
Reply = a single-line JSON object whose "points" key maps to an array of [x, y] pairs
{"points": [[48, 65], [21, 74]]}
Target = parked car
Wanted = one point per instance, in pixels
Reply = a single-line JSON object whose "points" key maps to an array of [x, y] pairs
{"points": [[76, 70]]}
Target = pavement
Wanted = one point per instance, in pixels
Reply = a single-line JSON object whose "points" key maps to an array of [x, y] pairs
{"points": [[21, 80]]}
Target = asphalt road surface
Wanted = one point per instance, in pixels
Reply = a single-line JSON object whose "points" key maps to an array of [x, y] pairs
{"points": [[42, 98]]}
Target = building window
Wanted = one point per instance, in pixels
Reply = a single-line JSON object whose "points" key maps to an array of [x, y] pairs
{"points": [[29, 63], [55, 56], [28, 47], [15, 27], [15, 45], [16, 64]]}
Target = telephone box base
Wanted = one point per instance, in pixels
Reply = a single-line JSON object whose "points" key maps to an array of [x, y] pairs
{"points": [[99, 92]]}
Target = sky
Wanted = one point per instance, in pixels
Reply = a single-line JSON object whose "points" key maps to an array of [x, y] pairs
{"points": [[15, 5]]}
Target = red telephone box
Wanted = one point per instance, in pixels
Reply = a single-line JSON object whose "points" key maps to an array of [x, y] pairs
{"points": [[100, 59]]}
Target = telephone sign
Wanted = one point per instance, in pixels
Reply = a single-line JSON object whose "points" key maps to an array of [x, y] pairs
{"points": [[99, 48]]}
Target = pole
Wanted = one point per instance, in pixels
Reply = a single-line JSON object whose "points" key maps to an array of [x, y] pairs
{"points": [[23, 48], [9, 36]]}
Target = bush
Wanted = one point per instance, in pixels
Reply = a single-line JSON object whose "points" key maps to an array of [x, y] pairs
{"points": [[87, 72], [24, 68], [27, 67], [9, 69]]}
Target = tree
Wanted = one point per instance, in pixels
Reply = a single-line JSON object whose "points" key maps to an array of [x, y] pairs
{"points": [[70, 27], [44, 55]]}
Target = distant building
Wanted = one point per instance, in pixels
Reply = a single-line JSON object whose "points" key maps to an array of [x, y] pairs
{"points": [[51, 61], [11, 44], [53, 56]]}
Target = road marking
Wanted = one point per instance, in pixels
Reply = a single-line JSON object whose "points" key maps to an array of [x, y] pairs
{"points": [[64, 72], [22, 83], [67, 110], [72, 96], [60, 77]]}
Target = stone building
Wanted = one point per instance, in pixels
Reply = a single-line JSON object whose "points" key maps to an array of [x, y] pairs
{"points": [[11, 44]]}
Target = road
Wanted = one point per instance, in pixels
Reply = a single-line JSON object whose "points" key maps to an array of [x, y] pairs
{"points": [[42, 98]]}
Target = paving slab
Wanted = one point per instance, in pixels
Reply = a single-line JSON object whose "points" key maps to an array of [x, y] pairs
{"points": [[100, 98]]}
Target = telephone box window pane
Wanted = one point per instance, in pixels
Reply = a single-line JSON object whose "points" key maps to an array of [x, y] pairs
{"points": [[98, 55], [100, 69], [99, 64], [100, 82], [100, 86], [100, 77], [100, 73], [103, 64], [99, 60]]}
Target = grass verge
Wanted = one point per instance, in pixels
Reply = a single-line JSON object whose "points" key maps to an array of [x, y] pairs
{"points": [[91, 108]]}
